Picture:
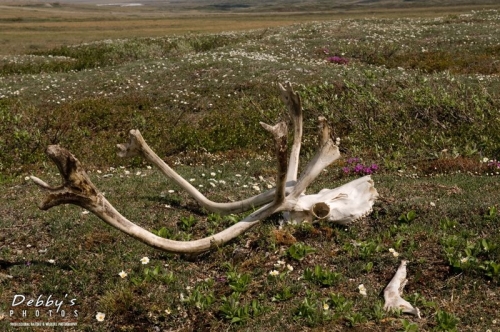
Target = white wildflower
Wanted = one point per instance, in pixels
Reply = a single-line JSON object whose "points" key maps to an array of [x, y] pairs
{"points": [[362, 289], [394, 252], [100, 316], [274, 273]]}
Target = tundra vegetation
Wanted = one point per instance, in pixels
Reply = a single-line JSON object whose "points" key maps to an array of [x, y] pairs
{"points": [[415, 102]]}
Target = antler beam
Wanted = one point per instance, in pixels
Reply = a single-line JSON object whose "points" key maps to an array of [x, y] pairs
{"points": [[137, 146], [340, 205], [79, 190]]}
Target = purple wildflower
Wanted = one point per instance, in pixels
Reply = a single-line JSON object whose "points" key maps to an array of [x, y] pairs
{"points": [[358, 168], [338, 60], [355, 165], [494, 163]]}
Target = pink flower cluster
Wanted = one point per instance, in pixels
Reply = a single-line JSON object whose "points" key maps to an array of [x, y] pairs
{"points": [[335, 59], [338, 60], [494, 164], [354, 165]]}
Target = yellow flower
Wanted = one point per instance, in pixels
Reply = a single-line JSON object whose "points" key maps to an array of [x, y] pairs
{"points": [[100, 316], [168, 312], [326, 306], [123, 274], [144, 260]]}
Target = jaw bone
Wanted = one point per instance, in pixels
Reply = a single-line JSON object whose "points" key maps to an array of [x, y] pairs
{"points": [[393, 291]]}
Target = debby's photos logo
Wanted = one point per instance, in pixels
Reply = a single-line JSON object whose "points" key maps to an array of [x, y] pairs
{"points": [[43, 310]]}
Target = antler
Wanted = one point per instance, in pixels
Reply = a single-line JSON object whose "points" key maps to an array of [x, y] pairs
{"points": [[294, 105], [342, 205], [138, 146], [79, 190]]}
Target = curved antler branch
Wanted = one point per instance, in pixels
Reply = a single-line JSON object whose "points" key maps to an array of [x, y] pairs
{"points": [[294, 105], [340, 205], [327, 154], [279, 133], [79, 190], [138, 146]]}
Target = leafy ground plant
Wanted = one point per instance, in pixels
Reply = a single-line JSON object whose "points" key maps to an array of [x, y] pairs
{"points": [[427, 119]]}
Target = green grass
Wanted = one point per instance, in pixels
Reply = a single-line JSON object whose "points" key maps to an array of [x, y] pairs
{"points": [[405, 101], [179, 90], [241, 292]]}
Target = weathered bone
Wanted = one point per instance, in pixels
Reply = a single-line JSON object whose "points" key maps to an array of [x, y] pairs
{"points": [[78, 189], [342, 205], [138, 146], [394, 290], [293, 103], [324, 130]]}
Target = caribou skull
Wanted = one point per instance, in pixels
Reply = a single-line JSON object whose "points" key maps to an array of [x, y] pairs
{"points": [[342, 205]]}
